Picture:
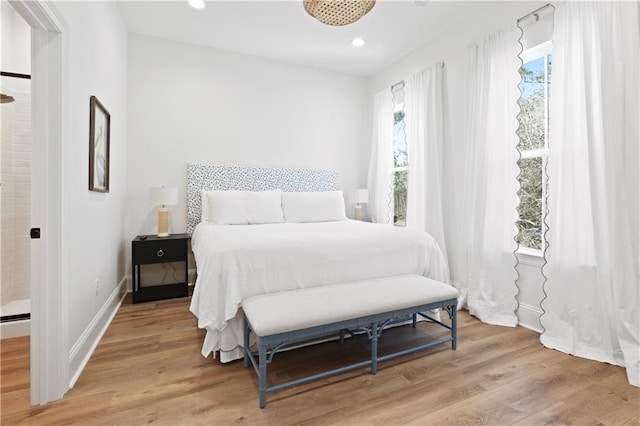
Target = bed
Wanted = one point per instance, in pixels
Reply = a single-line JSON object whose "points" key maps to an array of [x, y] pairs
{"points": [[239, 261]]}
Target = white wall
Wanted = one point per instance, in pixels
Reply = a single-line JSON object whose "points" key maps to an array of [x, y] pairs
{"points": [[194, 104], [94, 63], [16, 36], [451, 46]]}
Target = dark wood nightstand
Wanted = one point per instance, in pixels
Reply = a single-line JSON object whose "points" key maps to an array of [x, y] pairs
{"points": [[164, 260]]}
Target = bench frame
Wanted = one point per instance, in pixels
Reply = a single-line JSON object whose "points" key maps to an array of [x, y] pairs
{"points": [[373, 325]]}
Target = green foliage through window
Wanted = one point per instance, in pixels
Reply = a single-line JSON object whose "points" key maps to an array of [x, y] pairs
{"points": [[400, 198], [533, 147], [400, 163]]}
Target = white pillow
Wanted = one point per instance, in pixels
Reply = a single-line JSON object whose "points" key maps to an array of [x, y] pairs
{"points": [[244, 207], [313, 206]]}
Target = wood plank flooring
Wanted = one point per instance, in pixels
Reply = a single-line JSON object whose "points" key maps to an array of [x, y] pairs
{"points": [[148, 369]]}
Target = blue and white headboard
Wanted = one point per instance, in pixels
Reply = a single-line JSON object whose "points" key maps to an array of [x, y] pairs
{"points": [[210, 177]]}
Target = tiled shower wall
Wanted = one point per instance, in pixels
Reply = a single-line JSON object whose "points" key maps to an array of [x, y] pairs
{"points": [[15, 198]]}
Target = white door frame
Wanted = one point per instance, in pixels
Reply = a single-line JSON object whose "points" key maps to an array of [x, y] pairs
{"points": [[49, 306]]}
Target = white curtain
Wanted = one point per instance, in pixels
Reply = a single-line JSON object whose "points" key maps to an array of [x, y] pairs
{"points": [[593, 287], [490, 200], [423, 120], [380, 182]]}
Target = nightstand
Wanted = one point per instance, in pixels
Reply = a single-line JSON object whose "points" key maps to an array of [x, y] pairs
{"points": [[160, 269]]}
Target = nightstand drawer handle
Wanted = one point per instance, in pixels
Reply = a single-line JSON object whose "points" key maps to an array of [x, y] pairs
{"points": [[160, 253]]}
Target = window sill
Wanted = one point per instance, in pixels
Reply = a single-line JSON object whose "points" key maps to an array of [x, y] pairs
{"points": [[530, 257]]}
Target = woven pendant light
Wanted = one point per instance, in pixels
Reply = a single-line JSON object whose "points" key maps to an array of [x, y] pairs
{"points": [[338, 12]]}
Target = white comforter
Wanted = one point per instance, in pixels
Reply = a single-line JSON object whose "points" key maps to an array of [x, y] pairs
{"points": [[238, 261]]}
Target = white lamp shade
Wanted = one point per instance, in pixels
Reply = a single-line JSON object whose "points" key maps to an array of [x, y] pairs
{"points": [[360, 196], [163, 195]]}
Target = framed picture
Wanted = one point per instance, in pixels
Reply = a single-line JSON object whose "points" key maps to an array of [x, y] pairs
{"points": [[99, 138]]}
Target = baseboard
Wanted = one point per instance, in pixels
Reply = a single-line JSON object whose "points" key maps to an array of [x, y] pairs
{"points": [[191, 277], [529, 317], [15, 329], [83, 348]]}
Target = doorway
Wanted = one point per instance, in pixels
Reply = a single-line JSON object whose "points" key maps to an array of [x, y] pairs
{"points": [[49, 345], [15, 173]]}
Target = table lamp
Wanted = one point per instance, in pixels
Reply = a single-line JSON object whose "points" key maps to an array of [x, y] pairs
{"points": [[360, 196], [163, 196]]}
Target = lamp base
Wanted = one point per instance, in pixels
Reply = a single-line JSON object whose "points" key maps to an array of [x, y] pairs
{"points": [[163, 222], [357, 212]]}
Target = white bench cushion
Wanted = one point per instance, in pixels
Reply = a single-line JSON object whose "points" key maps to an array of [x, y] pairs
{"points": [[287, 311]]}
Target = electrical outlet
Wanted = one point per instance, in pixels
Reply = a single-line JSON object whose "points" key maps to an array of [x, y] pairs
{"points": [[97, 281]]}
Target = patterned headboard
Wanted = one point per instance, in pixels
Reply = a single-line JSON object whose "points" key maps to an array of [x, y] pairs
{"points": [[210, 177]]}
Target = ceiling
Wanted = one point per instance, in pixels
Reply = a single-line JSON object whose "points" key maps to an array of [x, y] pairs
{"points": [[282, 30]]}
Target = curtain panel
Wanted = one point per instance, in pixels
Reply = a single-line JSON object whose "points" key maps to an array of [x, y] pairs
{"points": [[593, 279], [380, 180], [423, 105], [490, 176]]}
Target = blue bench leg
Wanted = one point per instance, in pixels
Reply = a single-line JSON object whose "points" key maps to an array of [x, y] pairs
{"points": [[246, 343], [414, 317], [262, 373], [374, 348], [454, 327], [342, 337]]}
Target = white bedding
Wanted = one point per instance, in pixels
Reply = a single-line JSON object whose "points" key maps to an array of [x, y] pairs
{"points": [[238, 261]]}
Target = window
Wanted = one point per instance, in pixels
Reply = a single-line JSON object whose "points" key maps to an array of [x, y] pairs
{"points": [[400, 162], [533, 145]]}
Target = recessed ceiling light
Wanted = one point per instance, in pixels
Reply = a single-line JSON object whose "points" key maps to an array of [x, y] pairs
{"points": [[357, 42], [196, 4]]}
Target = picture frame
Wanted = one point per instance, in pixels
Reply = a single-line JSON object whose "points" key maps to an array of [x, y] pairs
{"points": [[99, 146]]}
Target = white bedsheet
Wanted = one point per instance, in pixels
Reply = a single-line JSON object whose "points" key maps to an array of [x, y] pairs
{"points": [[238, 261]]}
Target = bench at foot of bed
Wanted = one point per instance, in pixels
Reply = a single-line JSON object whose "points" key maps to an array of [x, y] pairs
{"points": [[277, 319]]}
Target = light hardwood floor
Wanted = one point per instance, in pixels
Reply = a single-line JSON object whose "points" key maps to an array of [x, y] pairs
{"points": [[148, 369]]}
